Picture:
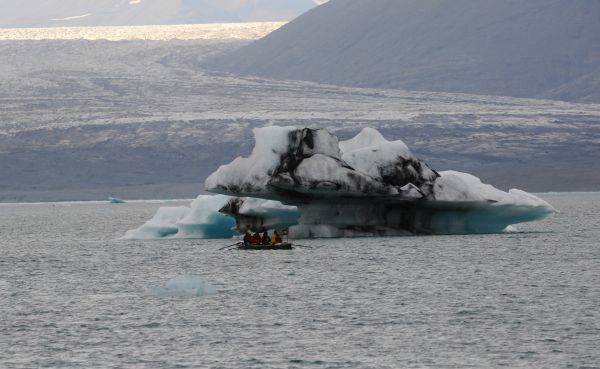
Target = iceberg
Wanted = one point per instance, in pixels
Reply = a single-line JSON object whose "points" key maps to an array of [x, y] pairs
{"points": [[216, 217], [307, 181], [200, 220], [366, 186], [115, 200]]}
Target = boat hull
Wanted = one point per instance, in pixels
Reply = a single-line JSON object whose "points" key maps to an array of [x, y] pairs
{"points": [[283, 246]]}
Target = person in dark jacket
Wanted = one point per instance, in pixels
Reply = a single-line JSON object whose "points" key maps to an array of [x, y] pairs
{"points": [[247, 239], [265, 240], [255, 239]]}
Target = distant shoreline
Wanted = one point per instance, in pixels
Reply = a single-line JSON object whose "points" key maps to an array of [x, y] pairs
{"points": [[94, 202], [161, 201], [210, 31]]}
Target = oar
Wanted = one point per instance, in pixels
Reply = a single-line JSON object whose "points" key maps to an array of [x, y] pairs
{"points": [[226, 247]]}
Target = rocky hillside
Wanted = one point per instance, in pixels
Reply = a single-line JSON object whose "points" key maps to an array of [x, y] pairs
{"points": [[534, 48]]}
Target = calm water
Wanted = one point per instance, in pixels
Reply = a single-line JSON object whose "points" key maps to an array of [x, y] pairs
{"points": [[72, 295]]}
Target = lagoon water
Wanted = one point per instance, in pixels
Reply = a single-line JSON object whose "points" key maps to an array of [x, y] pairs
{"points": [[73, 295]]}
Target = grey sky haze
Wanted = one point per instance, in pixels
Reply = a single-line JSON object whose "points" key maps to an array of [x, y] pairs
{"points": [[54, 13]]}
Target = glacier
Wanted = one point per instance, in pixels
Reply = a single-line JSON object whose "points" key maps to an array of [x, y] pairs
{"points": [[317, 186]]}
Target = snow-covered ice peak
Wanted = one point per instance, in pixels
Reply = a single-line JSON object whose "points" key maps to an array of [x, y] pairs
{"points": [[309, 162], [368, 137], [370, 153], [252, 174]]}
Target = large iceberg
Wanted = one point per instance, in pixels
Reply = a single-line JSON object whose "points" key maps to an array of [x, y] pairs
{"points": [[366, 186]]}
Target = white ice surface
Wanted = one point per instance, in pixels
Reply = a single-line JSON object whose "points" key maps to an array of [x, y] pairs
{"points": [[330, 176], [369, 150], [255, 170], [458, 186], [201, 220]]}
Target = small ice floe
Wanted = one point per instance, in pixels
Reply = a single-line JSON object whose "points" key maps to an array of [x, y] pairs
{"points": [[182, 286], [202, 219], [115, 200], [511, 229]]}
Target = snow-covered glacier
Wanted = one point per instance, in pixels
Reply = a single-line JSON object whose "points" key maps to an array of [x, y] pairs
{"points": [[306, 180], [367, 186]]}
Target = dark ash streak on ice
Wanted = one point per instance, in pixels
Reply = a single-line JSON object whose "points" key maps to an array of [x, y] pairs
{"points": [[304, 168]]}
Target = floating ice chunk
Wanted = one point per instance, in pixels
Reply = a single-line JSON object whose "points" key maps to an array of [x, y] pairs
{"points": [[216, 217], [162, 225], [183, 285], [201, 220], [375, 187], [205, 221]]}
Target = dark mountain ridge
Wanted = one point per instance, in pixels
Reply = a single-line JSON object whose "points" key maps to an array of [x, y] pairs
{"points": [[536, 48]]}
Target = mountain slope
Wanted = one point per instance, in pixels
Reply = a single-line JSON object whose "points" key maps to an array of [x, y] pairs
{"points": [[535, 48]]}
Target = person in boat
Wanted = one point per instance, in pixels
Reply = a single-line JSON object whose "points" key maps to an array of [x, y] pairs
{"points": [[247, 239], [266, 239], [255, 240], [276, 239]]}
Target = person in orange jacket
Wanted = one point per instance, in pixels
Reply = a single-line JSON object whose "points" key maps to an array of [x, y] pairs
{"points": [[276, 239]]}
